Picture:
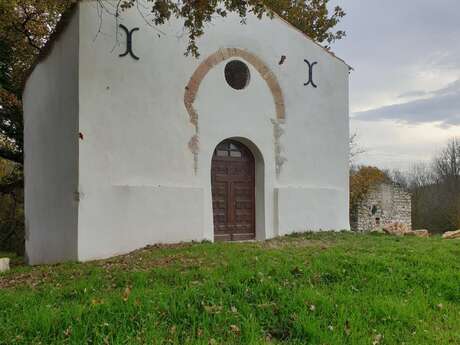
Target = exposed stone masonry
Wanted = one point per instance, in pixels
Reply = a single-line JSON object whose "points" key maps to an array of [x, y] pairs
{"points": [[191, 90], [384, 204]]}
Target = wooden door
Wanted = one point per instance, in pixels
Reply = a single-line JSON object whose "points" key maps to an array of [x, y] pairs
{"points": [[233, 192]]}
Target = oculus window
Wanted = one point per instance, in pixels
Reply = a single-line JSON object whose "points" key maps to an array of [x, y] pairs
{"points": [[237, 74]]}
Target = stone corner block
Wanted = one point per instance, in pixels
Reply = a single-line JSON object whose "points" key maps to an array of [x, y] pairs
{"points": [[4, 265]]}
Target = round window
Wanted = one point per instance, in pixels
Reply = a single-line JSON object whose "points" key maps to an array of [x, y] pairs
{"points": [[237, 74]]}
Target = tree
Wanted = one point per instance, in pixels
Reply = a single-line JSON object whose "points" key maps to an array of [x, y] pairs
{"points": [[447, 172], [355, 149], [420, 175], [435, 189], [310, 16], [447, 164], [25, 26], [11, 210], [362, 180]]}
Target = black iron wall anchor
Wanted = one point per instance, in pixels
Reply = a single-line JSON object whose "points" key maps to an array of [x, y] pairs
{"points": [[310, 74], [129, 42]]}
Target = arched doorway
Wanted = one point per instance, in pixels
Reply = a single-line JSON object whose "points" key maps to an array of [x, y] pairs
{"points": [[233, 192]]}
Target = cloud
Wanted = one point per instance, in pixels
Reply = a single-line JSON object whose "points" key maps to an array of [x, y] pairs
{"points": [[452, 88], [412, 94], [441, 106], [400, 57]]}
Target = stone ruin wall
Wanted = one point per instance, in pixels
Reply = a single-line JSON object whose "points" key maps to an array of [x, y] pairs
{"points": [[384, 204]]}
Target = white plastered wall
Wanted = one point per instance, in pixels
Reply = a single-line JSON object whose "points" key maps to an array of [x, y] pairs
{"points": [[51, 153], [137, 183], [137, 178]]}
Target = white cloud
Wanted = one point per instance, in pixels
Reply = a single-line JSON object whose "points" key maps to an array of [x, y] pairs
{"points": [[389, 144], [441, 107], [401, 52]]}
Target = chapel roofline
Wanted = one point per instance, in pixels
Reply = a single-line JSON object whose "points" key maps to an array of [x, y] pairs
{"points": [[68, 14]]}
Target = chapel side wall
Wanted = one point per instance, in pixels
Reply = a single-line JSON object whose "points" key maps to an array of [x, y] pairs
{"points": [[51, 152]]}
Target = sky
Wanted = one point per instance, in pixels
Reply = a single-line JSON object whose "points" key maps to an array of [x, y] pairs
{"points": [[405, 87]]}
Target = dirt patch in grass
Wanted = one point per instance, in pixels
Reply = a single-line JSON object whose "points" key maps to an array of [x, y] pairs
{"points": [[145, 259], [182, 255], [148, 258], [140, 260], [31, 279]]}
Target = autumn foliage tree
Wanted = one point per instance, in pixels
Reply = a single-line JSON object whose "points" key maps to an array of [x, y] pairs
{"points": [[25, 26], [362, 180]]}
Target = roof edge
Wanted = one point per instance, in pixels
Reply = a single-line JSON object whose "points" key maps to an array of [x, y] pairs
{"points": [[68, 14], [312, 40], [48, 47]]}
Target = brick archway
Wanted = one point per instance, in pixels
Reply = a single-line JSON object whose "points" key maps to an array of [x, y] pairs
{"points": [[193, 86], [221, 55]]}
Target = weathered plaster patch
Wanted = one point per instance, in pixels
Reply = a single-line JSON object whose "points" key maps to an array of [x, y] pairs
{"points": [[192, 88], [194, 146], [278, 132]]}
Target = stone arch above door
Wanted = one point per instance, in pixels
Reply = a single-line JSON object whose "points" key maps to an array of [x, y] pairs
{"points": [[193, 86], [221, 55]]}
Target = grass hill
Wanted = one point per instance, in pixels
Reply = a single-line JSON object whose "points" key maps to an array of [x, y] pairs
{"points": [[306, 289]]}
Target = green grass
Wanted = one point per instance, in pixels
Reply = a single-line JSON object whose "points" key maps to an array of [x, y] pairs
{"points": [[306, 289]]}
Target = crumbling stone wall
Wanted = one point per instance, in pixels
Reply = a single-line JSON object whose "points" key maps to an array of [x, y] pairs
{"points": [[384, 204]]}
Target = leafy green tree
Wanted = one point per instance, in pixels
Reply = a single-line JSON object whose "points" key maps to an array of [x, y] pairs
{"points": [[11, 209], [310, 16], [25, 26]]}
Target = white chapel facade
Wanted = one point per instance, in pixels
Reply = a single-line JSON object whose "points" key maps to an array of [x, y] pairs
{"points": [[130, 142]]}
